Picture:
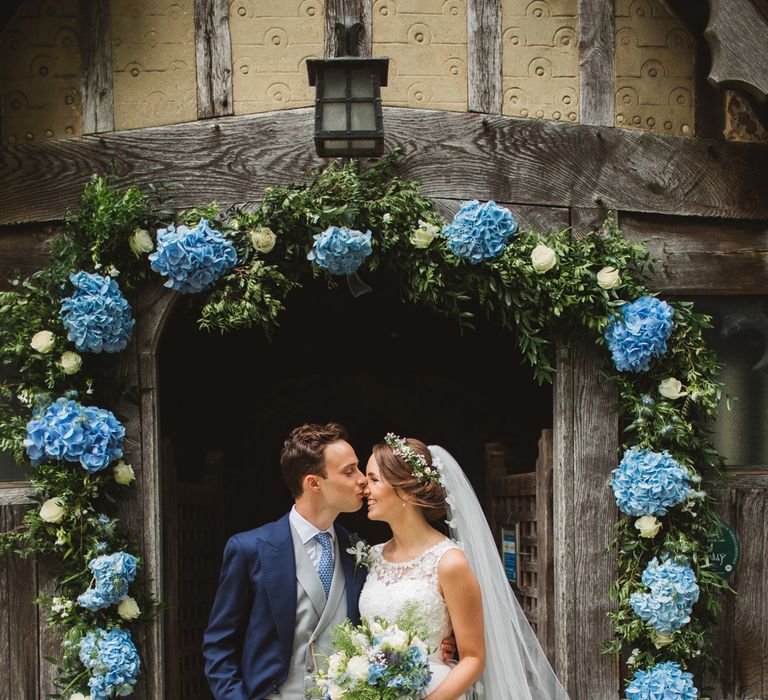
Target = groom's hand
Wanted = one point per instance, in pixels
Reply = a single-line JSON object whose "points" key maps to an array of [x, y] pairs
{"points": [[448, 649]]}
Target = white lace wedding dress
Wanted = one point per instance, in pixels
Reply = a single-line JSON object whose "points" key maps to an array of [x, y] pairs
{"points": [[391, 586]]}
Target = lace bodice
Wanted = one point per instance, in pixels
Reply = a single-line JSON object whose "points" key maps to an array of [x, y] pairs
{"points": [[391, 586]]}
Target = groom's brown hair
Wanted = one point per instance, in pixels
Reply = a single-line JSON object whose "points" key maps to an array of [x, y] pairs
{"points": [[303, 452]]}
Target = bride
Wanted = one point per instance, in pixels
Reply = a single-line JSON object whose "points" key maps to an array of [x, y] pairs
{"points": [[458, 584]]}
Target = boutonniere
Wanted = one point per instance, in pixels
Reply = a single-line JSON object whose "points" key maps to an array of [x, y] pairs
{"points": [[360, 550]]}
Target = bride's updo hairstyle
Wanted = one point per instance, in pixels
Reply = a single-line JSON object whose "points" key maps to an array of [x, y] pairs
{"points": [[398, 474]]}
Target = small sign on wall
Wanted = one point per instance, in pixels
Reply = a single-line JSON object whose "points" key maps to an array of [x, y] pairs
{"points": [[726, 550], [510, 537]]}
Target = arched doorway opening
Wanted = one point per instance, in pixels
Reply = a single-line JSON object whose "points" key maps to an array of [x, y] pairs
{"points": [[372, 363]]}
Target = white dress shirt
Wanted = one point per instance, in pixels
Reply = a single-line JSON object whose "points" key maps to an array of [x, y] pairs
{"points": [[307, 531]]}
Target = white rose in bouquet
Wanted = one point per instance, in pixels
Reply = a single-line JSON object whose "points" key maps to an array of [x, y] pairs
{"points": [[424, 235], [543, 258], [124, 473], [336, 691], [648, 525], [141, 242], [395, 639], [128, 608], [263, 239], [336, 663], [358, 668]]}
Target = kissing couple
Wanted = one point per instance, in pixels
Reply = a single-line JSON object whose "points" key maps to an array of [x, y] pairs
{"points": [[286, 585]]}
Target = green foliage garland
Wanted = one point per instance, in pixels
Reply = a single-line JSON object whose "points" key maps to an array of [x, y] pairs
{"points": [[538, 306]]}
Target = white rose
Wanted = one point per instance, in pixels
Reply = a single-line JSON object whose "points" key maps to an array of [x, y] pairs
{"points": [[396, 640], [608, 278], [543, 258], [42, 341], [128, 609], [424, 235], [336, 663], [52, 511], [648, 525], [671, 388], [336, 691], [141, 242], [263, 239], [376, 628], [358, 668], [124, 473], [70, 362], [80, 696]]}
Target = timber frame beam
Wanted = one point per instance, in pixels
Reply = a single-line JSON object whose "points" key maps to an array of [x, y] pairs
{"points": [[233, 159]]}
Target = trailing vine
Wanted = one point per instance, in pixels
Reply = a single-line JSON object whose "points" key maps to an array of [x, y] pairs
{"points": [[539, 285]]}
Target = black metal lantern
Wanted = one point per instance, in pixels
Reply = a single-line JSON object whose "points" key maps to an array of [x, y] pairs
{"points": [[348, 120]]}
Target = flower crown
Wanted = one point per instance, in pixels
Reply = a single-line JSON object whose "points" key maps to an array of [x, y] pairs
{"points": [[417, 462]]}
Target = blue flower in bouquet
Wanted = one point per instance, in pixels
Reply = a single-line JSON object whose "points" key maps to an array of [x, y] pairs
{"points": [[639, 333], [112, 661], [97, 316], [192, 258], [340, 250], [648, 483], [673, 591], [665, 681], [112, 575], [480, 231], [68, 431]]}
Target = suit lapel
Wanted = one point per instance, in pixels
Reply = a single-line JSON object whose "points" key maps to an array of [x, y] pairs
{"points": [[279, 567], [354, 576]]}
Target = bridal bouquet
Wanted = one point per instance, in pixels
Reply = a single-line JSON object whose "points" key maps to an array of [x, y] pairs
{"points": [[376, 661]]}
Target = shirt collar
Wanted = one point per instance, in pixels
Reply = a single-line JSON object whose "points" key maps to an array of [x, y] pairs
{"points": [[305, 529]]}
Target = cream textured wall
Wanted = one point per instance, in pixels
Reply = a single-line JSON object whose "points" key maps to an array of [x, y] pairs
{"points": [[40, 73], [426, 42], [540, 59], [654, 68], [154, 71], [153, 62], [271, 41]]}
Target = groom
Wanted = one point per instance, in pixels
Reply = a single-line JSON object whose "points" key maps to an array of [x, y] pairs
{"points": [[284, 586]]}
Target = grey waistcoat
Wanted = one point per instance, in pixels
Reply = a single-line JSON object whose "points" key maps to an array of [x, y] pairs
{"points": [[315, 618]]}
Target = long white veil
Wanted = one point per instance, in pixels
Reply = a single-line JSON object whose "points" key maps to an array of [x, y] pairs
{"points": [[516, 667]]}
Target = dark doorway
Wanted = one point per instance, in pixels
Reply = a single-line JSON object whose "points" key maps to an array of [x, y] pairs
{"points": [[372, 363]]}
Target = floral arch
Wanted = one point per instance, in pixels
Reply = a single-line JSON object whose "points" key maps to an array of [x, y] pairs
{"points": [[58, 328]]}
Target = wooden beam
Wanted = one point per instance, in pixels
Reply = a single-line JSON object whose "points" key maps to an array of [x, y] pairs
{"points": [[213, 54], [586, 441], [703, 256], [737, 34], [347, 13], [596, 65], [484, 91], [96, 53], [522, 161]]}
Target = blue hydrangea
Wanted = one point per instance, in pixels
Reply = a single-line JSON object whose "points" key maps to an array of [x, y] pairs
{"points": [[649, 483], [65, 430], [192, 258], [480, 231], [673, 591], [665, 681], [639, 333], [112, 661], [112, 574], [97, 316], [340, 250]]}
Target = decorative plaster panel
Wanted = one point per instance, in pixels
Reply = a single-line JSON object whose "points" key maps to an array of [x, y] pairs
{"points": [[153, 62], [271, 42], [654, 68], [40, 72], [426, 42], [741, 121], [540, 59]]}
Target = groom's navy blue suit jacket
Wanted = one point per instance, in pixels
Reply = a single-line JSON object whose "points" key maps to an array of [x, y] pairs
{"points": [[248, 643]]}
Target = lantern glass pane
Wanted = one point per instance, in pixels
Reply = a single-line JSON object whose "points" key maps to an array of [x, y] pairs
{"points": [[363, 145], [363, 116], [334, 82], [334, 116], [361, 84], [335, 145]]}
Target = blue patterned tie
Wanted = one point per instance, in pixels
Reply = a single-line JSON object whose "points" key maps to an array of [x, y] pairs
{"points": [[325, 567]]}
